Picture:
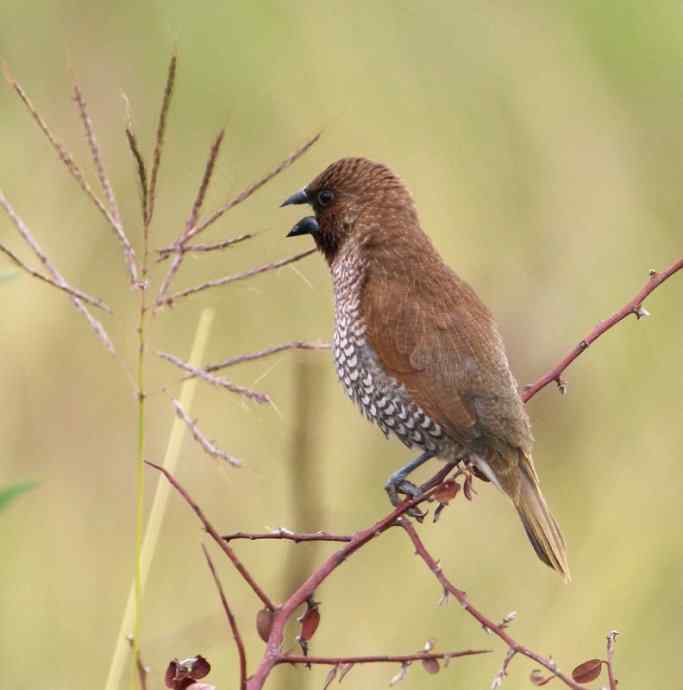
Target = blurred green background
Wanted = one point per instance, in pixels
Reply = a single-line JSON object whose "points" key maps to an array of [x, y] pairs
{"points": [[543, 145]]}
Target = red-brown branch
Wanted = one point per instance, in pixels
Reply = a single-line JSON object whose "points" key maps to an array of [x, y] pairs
{"points": [[246, 575], [231, 620], [378, 659], [282, 614], [634, 306], [486, 623], [281, 533], [307, 589]]}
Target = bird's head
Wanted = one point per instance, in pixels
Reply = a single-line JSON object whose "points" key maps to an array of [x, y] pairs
{"points": [[353, 198]]}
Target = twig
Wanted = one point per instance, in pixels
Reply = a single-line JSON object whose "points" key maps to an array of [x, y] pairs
{"points": [[204, 442], [262, 398], [611, 640], [377, 659], [246, 575], [56, 275], [311, 584], [114, 214], [250, 357], [281, 533], [634, 306], [486, 623], [159, 142], [94, 301], [284, 613], [171, 299], [231, 620]]}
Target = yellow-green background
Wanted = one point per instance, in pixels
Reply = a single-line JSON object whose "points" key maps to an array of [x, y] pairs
{"points": [[544, 146]]}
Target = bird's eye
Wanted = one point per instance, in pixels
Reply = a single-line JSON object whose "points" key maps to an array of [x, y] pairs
{"points": [[325, 197]]}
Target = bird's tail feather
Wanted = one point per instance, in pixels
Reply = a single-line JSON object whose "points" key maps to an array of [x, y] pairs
{"points": [[520, 482]]}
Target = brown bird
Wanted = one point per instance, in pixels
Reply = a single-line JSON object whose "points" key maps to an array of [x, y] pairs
{"points": [[416, 348]]}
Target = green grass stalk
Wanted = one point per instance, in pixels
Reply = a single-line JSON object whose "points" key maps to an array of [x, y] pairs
{"points": [[148, 545]]}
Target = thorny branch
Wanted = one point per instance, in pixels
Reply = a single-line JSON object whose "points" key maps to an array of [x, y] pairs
{"points": [[217, 538], [231, 620], [284, 534], [486, 623], [378, 659], [283, 613], [280, 615], [634, 306]]}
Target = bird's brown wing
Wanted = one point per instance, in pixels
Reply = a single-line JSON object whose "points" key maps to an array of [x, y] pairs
{"points": [[435, 336]]}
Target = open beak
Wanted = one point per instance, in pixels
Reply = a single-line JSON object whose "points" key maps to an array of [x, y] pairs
{"points": [[306, 226], [300, 197]]}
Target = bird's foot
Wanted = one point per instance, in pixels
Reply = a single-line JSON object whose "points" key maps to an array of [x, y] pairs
{"points": [[396, 486]]}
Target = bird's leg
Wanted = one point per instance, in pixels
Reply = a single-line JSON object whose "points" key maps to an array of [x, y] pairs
{"points": [[397, 483]]}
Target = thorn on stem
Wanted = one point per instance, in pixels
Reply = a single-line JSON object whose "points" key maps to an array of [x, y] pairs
{"points": [[641, 312], [445, 596]]}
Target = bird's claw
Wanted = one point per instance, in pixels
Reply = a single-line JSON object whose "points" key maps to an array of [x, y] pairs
{"points": [[408, 489]]}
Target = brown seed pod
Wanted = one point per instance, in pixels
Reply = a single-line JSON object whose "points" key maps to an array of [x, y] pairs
{"points": [[447, 491], [309, 623], [430, 665], [264, 623], [587, 671]]}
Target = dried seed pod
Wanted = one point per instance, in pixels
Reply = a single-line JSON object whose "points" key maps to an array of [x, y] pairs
{"points": [[587, 671], [182, 674], [309, 623], [171, 673], [430, 665], [264, 623], [199, 667], [446, 491]]}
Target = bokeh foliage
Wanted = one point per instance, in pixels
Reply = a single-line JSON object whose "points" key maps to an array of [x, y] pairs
{"points": [[543, 145]]}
